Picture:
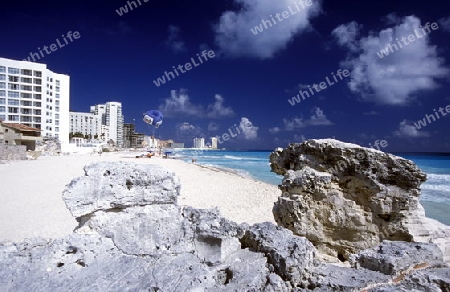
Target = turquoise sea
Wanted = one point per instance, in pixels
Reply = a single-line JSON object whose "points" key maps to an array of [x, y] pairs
{"points": [[435, 191]]}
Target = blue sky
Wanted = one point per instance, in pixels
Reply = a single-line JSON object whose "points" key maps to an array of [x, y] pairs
{"points": [[251, 77]]}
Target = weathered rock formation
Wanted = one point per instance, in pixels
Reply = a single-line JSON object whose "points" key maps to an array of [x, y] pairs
{"points": [[345, 198], [132, 236]]}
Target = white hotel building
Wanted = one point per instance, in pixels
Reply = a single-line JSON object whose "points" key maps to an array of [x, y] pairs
{"points": [[32, 95], [104, 120]]}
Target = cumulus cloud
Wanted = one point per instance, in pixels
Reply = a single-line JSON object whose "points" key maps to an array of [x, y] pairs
{"points": [[274, 130], [445, 23], [213, 126], [347, 34], [249, 131], [186, 131], [317, 118], [233, 30], [174, 41], [396, 78], [217, 110], [371, 113], [179, 104], [407, 130], [294, 123]]}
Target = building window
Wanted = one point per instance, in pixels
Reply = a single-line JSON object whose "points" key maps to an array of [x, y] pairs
{"points": [[26, 80], [2, 93], [57, 116], [13, 94], [57, 95], [2, 109], [13, 110], [13, 79], [26, 87], [2, 117], [37, 112], [13, 118], [13, 86], [56, 102], [37, 81], [37, 96], [2, 77], [57, 88], [36, 103], [56, 129], [13, 70], [26, 95], [2, 69], [37, 74], [2, 85], [27, 72], [13, 102], [37, 88]]}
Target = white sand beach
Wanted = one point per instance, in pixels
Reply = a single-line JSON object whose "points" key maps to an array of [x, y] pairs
{"points": [[32, 205]]}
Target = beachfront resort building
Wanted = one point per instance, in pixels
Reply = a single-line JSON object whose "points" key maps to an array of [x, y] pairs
{"points": [[214, 143], [104, 121], [34, 96], [131, 139], [199, 143]]}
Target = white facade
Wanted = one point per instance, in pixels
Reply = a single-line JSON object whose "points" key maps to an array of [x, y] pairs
{"points": [[110, 115], [199, 143], [32, 95], [85, 123], [213, 143]]}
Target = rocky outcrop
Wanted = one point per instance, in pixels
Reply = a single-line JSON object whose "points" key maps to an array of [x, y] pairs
{"points": [[132, 236], [345, 198]]}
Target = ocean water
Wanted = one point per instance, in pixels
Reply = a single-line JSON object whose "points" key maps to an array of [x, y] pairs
{"points": [[435, 191]]}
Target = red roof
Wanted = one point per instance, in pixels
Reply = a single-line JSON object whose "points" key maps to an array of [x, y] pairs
{"points": [[21, 127]]}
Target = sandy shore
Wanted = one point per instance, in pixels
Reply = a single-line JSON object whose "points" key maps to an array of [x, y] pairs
{"points": [[32, 205]]}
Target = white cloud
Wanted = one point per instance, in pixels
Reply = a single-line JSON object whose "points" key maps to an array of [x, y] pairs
{"points": [[248, 129], [235, 38], [274, 130], [186, 131], [371, 113], [396, 78], [174, 41], [346, 35], [445, 23], [292, 124], [407, 130], [318, 118], [213, 126], [217, 110], [179, 104]]}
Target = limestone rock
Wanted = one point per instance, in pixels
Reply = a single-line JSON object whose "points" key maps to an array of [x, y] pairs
{"points": [[139, 240], [109, 185], [346, 198]]}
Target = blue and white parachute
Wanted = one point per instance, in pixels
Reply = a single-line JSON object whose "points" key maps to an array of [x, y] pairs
{"points": [[153, 117]]}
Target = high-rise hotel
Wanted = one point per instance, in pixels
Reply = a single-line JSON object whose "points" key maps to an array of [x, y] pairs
{"points": [[32, 95]]}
